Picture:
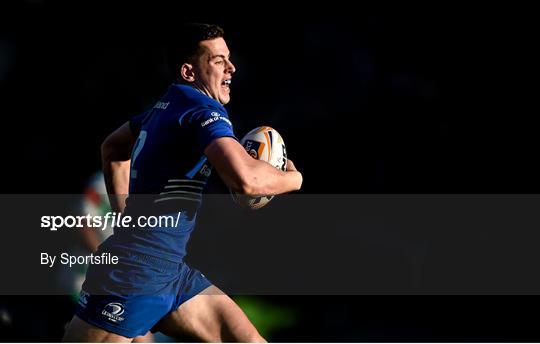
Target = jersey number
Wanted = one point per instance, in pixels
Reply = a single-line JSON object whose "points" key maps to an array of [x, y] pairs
{"points": [[137, 150]]}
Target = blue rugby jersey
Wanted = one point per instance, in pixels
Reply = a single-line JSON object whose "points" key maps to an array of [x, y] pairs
{"points": [[169, 170]]}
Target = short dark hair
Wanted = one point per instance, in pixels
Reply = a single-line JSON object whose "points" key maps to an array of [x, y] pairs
{"points": [[185, 48]]}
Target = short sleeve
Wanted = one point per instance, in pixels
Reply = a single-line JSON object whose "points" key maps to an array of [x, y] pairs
{"points": [[210, 124]]}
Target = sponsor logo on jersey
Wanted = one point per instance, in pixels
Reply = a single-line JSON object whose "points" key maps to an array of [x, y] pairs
{"points": [[113, 311], [216, 116], [161, 105]]}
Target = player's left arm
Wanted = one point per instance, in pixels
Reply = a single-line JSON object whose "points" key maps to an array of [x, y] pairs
{"points": [[116, 160]]}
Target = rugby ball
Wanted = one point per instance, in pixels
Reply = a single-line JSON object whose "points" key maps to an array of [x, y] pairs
{"points": [[262, 143]]}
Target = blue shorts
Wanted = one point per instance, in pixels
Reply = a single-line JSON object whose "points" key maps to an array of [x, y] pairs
{"points": [[130, 298]]}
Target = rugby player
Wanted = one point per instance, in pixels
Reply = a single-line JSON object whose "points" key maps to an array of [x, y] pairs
{"points": [[169, 151]]}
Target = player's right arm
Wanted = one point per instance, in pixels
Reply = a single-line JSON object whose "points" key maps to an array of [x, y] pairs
{"points": [[249, 176], [116, 160]]}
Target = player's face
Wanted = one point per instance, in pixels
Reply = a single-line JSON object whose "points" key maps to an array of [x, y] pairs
{"points": [[213, 71]]}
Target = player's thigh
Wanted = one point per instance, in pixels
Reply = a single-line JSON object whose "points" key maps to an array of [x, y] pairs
{"points": [[210, 316], [81, 331]]}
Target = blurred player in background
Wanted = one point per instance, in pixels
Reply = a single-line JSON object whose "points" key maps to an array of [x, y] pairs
{"points": [[169, 152], [93, 202]]}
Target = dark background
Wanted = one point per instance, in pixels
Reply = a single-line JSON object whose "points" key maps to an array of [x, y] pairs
{"points": [[394, 100]]}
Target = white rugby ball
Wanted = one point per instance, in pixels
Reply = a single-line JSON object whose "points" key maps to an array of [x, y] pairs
{"points": [[262, 143]]}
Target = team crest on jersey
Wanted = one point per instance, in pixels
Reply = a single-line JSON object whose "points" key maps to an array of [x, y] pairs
{"points": [[113, 311]]}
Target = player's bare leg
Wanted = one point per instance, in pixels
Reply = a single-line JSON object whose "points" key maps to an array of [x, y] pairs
{"points": [[147, 338], [81, 331], [210, 316]]}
